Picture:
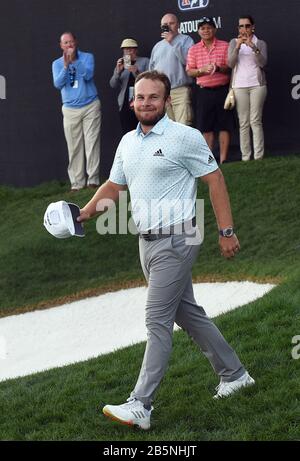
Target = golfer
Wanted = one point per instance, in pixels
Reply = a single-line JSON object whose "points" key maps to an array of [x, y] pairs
{"points": [[160, 162]]}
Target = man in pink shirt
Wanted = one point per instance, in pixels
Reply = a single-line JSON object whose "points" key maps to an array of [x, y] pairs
{"points": [[207, 61]]}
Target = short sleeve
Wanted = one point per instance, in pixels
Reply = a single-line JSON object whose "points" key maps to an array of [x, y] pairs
{"points": [[197, 156], [191, 59], [117, 173]]}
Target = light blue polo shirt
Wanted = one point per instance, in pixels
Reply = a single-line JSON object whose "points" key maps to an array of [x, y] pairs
{"points": [[84, 92], [161, 170]]}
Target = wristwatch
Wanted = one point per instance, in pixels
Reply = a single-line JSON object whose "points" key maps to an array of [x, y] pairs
{"points": [[227, 232]]}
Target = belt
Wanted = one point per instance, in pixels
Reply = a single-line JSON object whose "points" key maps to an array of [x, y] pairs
{"points": [[212, 88], [163, 232]]}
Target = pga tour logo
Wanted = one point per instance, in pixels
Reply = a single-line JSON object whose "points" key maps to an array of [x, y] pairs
{"points": [[185, 5]]}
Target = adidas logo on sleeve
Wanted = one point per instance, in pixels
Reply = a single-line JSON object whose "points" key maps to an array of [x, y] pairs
{"points": [[158, 153]]}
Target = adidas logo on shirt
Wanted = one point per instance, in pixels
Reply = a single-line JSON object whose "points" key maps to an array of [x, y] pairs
{"points": [[210, 159], [158, 153]]}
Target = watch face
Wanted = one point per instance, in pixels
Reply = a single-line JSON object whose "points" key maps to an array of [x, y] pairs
{"points": [[228, 232]]}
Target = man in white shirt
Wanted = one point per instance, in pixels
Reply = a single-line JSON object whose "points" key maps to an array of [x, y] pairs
{"points": [[161, 162]]}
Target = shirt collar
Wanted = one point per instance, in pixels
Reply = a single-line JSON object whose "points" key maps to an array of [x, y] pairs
{"points": [[213, 43], [159, 128]]}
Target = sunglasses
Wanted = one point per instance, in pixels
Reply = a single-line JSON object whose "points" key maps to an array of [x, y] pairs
{"points": [[205, 21], [245, 25], [72, 75]]}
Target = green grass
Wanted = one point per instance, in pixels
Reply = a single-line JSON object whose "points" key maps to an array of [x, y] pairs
{"points": [[65, 403], [35, 267]]}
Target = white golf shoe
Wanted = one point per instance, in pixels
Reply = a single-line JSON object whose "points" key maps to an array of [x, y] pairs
{"points": [[132, 413], [226, 389]]}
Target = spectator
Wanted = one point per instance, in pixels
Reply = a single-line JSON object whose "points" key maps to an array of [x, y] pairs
{"points": [[247, 55], [73, 75], [207, 61], [123, 79], [169, 56]]}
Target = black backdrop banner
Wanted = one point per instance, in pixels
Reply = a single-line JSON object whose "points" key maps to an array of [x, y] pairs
{"points": [[32, 144]]}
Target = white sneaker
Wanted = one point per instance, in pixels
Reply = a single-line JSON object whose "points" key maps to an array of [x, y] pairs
{"points": [[226, 389], [131, 413]]}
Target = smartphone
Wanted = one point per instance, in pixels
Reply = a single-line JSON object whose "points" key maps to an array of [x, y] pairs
{"points": [[127, 60]]}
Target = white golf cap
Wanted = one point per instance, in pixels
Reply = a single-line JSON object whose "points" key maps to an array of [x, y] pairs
{"points": [[60, 220]]}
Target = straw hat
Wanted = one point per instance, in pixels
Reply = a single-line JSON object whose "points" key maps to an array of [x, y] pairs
{"points": [[129, 43]]}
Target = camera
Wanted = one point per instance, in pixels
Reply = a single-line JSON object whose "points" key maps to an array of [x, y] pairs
{"points": [[165, 28]]}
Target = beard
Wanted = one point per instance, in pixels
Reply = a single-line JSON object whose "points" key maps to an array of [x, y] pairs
{"points": [[150, 120]]}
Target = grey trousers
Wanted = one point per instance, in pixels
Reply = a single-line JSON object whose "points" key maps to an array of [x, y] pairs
{"points": [[167, 265]]}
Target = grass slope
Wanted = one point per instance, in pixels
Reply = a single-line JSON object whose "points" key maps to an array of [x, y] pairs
{"points": [[65, 403], [37, 268]]}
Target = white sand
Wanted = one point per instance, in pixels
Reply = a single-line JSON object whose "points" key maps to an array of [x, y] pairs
{"points": [[58, 336]]}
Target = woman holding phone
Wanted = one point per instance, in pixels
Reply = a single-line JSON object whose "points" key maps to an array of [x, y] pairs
{"points": [[126, 70], [247, 56]]}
